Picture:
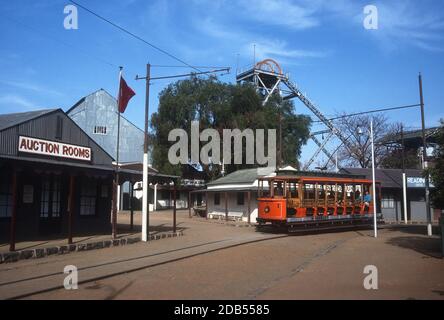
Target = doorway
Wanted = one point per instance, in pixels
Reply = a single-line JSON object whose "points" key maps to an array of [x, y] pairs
{"points": [[50, 205]]}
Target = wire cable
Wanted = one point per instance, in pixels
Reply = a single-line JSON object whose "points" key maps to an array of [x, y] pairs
{"points": [[133, 35], [370, 111]]}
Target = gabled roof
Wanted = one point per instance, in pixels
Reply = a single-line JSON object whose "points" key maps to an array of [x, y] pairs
{"points": [[81, 100], [13, 119], [243, 176]]}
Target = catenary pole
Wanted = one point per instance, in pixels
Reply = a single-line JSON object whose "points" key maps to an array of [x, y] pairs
{"points": [[145, 203], [404, 178], [375, 220], [424, 162]]}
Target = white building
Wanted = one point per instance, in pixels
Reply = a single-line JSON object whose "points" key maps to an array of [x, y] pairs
{"points": [[235, 195]]}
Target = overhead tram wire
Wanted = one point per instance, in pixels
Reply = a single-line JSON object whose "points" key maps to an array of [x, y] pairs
{"points": [[200, 67], [365, 112], [134, 35], [370, 112]]}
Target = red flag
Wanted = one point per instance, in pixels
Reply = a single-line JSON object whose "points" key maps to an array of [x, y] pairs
{"points": [[125, 94]]}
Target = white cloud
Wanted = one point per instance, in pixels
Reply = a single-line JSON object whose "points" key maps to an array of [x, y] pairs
{"points": [[407, 23], [282, 13], [12, 100], [31, 87], [265, 47]]}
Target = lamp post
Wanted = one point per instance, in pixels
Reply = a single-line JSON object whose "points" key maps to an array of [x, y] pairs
{"points": [[424, 162], [404, 179], [375, 219]]}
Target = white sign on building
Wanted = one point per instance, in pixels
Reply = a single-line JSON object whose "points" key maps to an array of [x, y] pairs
{"points": [[54, 149]]}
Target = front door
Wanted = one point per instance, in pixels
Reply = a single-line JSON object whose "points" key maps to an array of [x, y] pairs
{"points": [[50, 204]]}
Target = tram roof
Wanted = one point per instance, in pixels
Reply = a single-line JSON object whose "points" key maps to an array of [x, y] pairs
{"points": [[318, 176]]}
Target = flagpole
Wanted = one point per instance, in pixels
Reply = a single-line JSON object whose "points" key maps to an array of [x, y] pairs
{"points": [[116, 179]]}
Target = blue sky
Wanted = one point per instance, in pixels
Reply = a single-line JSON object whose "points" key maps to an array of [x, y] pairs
{"points": [[322, 45]]}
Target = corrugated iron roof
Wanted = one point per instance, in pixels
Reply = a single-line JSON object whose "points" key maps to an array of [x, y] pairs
{"points": [[13, 119], [390, 178], [410, 135], [243, 176]]}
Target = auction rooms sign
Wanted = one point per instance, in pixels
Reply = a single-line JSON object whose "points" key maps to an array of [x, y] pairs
{"points": [[55, 149]]}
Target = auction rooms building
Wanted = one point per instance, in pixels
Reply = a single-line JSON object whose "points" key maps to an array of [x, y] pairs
{"points": [[54, 179]]}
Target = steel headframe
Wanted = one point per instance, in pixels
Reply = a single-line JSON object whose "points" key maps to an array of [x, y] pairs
{"points": [[268, 78]]}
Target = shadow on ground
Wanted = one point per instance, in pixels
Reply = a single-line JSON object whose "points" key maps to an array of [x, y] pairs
{"points": [[126, 228], [123, 230], [413, 229], [430, 247]]}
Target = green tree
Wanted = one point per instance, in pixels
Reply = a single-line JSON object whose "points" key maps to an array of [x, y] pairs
{"points": [[222, 106], [437, 172]]}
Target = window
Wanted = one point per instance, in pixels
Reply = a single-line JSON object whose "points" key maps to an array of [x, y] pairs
{"points": [[88, 197], [240, 198], [44, 198], [388, 202], [56, 197], [293, 190], [59, 128], [100, 130], [217, 199], [50, 197], [5, 198]]}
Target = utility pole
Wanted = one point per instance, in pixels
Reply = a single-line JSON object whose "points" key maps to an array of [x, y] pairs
{"points": [[425, 165], [280, 140], [145, 203], [404, 178], [375, 218]]}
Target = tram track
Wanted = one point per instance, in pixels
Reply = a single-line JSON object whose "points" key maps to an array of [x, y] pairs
{"points": [[57, 277], [325, 250]]}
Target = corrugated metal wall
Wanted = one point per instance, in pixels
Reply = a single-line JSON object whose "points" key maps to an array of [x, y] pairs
{"points": [[100, 109], [45, 128]]}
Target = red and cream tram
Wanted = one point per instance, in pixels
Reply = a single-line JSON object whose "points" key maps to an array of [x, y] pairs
{"points": [[311, 200]]}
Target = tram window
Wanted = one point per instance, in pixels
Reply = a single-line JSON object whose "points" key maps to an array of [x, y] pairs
{"points": [[340, 191], [278, 189], [348, 191], [309, 192], [366, 189], [293, 190], [264, 190], [330, 192], [358, 192], [321, 191]]}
